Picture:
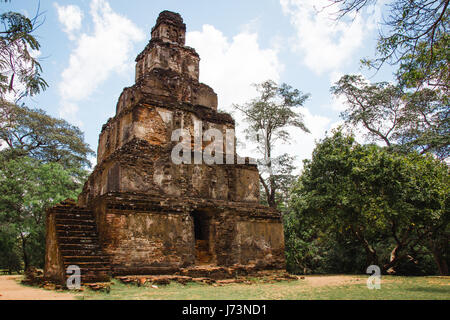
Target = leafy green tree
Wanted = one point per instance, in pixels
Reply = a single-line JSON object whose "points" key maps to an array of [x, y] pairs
{"points": [[419, 69], [27, 188], [33, 133], [417, 120], [391, 203], [412, 28], [9, 249], [268, 117], [43, 160], [305, 244]]}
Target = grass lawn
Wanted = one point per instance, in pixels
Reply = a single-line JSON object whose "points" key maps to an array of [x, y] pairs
{"points": [[335, 287]]}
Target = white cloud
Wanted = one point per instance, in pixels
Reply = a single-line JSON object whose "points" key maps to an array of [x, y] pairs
{"points": [[230, 66], [68, 109], [98, 55], [70, 17], [327, 44]]}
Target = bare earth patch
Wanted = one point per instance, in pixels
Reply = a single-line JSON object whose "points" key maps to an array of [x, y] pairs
{"points": [[11, 289], [337, 280]]}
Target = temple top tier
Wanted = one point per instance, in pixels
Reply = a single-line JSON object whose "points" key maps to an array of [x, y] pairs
{"points": [[166, 49], [170, 28]]}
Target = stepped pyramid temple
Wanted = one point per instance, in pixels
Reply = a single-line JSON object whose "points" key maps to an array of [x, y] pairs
{"points": [[140, 212]]}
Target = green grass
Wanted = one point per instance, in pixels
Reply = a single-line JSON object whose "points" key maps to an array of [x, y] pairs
{"points": [[314, 287]]}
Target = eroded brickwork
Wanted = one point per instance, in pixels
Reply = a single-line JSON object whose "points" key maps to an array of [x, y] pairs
{"points": [[155, 216]]}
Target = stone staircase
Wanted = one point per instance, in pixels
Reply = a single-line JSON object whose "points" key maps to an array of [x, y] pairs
{"points": [[79, 243], [202, 252]]}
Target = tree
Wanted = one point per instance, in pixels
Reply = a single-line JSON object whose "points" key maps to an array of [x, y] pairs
{"points": [[27, 188], [10, 254], [392, 204], [20, 72], [417, 120], [419, 69], [43, 160], [411, 24], [33, 133], [268, 117]]}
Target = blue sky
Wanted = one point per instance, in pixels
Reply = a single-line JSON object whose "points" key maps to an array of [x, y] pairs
{"points": [[88, 49]]}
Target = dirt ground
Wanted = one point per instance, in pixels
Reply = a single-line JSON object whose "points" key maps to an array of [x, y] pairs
{"points": [[11, 289], [338, 280]]}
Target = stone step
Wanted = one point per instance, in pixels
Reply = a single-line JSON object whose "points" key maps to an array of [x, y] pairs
{"points": [[70, 215], [89, 265], [203, 257], [85, 258], [79, 244], [77, 240], [75, 221], [72, 211], [82, 250], [75, 227], [77, 233]]}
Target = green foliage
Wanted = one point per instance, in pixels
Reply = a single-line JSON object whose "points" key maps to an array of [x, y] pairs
{"points": [[269, 115], [10, 252], [27, 188], [412, 120], [412, 28], [419, 69], [43, 160], [414, 112], [20, 72], [390, 203], [31, 132]]}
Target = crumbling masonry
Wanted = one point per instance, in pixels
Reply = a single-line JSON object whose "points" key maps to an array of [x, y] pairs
{"points": [[140, 213]]}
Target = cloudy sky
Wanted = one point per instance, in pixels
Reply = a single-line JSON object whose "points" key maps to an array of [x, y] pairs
{"points": [[89, 46]]}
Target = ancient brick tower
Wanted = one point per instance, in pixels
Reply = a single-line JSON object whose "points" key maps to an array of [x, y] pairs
{"points": [[140, 213]]}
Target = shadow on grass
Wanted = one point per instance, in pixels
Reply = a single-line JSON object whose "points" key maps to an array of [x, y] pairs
{"points": [[430, 290]]}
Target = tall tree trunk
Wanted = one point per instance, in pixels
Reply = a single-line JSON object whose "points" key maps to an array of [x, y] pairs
{"points": [[24, 252]]}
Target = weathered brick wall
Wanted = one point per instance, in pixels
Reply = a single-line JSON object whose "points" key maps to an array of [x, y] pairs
{"points": [[142, 167], [246, 240], [260, 242], [155, 125], [54, 268], [156, 234], [148, 240], [144, 240], [164, 55]]}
